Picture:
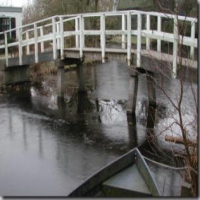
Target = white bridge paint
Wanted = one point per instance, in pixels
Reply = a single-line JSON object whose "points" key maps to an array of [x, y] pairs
{"points": [[53, 30]]}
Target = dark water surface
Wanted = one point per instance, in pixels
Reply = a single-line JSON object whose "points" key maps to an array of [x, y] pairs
{"points": [[48, 148]]}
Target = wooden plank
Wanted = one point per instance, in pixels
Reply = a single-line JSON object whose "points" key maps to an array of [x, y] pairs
{"points": [[179, 140]]}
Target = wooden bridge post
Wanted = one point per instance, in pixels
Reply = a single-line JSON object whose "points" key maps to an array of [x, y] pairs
{"points": [[193, 37], [148, 25], [159, 25], [81, 24], [150, 76], [103, 38], [60, 79], [123, 29], [54, 38], [6, 47], [175, 47], [132, 131], [133, 90], [62, 42], [129, 38], [41, 34], [20, 46], [77, 29], [27, 45], [36, 43], [139, 38], [80, 75]]}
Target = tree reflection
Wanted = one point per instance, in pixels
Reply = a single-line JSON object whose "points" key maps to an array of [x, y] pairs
{"points": [[80, 103]]}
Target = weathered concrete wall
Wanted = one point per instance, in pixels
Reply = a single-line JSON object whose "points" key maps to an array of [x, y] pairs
{"points": [[16, 74]]}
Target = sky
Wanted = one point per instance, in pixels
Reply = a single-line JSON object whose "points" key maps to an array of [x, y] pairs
{"points": [[17, 3]]}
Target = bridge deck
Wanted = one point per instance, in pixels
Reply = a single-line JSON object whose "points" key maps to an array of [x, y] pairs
{"points": [[71, 53], [147, 53]]}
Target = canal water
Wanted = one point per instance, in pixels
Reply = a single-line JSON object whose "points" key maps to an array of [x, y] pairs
{"points": [[49, 147]]}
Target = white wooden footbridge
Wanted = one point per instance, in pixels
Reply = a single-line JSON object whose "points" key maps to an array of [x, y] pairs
{"points": [[61, 37]]}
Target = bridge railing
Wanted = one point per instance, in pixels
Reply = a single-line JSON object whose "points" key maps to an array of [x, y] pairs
{"points": [[56, 33]]}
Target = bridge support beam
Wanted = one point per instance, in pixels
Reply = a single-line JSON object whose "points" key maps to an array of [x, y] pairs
{"points": [[16, 74], [60, 79], [133, 90], [80, 75], [150, 76]]}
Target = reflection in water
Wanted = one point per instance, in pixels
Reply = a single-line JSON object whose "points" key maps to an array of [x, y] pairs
{"points": [[59, 143], [40, 140], [24, 134], [55, 144]]}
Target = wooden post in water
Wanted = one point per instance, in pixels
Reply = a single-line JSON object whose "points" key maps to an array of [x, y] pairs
{"points": [[133, 89], [60, 79], [80, 75], [151, 88], [150, 76]]}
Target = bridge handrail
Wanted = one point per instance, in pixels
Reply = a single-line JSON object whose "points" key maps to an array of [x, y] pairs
{"points": [[34, 33]]}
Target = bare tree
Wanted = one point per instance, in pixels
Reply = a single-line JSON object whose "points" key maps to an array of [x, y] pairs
{"points": [[182, 126]]}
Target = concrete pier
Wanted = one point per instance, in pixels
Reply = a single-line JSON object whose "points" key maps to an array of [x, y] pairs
{"points": [[16, 74]]}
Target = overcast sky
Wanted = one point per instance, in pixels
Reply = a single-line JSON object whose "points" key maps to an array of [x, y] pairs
{"points": [[17, 3]]}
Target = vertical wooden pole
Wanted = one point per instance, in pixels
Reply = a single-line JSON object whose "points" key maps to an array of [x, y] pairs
{"points": [[81, 24], [132, 97], [148, 24], [129, 38], [41, 34], [132, 131], [80, 75], [54, 38], [103, 38], [193, 37], [123, 31], [175, 48], [57, 34], [61, 38], [83, 29], [27, 45], [150, 79], [6, 47], [36, 42], [77, 29], [159, 24], [20, 46], [60, 79], [139, 38]]}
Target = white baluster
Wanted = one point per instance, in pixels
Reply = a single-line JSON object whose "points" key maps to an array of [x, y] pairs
{"points": [[41, 34], [193, 38], [61, 38], [159, 24], [103, 38], [139, 39], [6, 47], [27, 41], [36, 42], [129, 38], [77, 29], [123, 30], [20, 46], [81, 36], [175, 47], [148, 25], [54, 38]]}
